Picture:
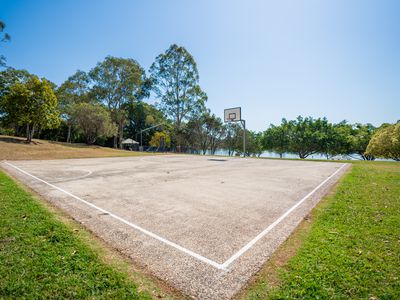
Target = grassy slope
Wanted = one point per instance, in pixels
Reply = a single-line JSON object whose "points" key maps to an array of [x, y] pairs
{"points": [[351, 249], [40, 257], [14, 148]]}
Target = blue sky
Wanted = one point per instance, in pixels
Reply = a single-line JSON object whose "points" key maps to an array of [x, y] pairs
{"points": [[338, 59]]}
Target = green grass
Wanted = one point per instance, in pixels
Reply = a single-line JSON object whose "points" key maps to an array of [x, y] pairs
{"points": [[352, 247], [40, 257]]}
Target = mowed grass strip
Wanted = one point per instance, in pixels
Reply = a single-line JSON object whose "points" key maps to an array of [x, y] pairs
{"points": [[40, 257], [352, 248]]}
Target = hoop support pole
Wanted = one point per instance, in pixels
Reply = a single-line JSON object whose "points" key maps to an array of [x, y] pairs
{"points": [[244, 137]]}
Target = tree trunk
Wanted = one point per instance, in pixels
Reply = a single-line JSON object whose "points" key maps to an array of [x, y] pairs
{"points": [[367, 157], [30, 133], [39, 132], [120, 134], [69, 134], [213, 150], [178, 133]]}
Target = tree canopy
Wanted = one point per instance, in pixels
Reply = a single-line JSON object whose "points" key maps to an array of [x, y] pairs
{"points": [[32, 104], [118, 82], [275, 139], [360, 136], [175, 80], [75, 90], [4, 37], [93, 120], [385, 142], [141, 115], [160, 139], [305, 136], [308, 136], [204, 132], [9, 77]]}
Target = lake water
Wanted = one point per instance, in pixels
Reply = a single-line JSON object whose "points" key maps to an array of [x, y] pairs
{"points": [[224, 152]]}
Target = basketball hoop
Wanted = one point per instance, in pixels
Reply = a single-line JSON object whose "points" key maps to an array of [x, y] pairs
{"points": [[234, 114]]}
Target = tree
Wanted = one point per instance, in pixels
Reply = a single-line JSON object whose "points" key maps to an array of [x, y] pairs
{"points": [[360, 136], [76, 89], [195, 136], [175, 81], [141, 115], [233, 140], [338, 139], [254, 143], [11, 76], [4, 37], [275, 139], [385, 142], [32, 104], [93, 120], [160, 137], [306, 136], [8, 78], [118, 82], [204, 132], [216, 132]]}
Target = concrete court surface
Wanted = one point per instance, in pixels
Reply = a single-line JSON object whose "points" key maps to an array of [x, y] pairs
{"points": [[205, 225]]}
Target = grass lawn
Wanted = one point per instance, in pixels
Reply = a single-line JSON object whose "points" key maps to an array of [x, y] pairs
{"points": [[41, 257], [349, 247], [15, 148]]}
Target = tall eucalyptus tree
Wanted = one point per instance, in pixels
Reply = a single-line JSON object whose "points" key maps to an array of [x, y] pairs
{"points": [[175, 80]]}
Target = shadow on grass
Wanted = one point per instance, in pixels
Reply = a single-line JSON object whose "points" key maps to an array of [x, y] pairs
{"points": [[17, 140], [12, 140], [75, 145]]}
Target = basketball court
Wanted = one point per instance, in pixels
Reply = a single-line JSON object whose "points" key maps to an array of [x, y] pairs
{"points": [[203, 224]]}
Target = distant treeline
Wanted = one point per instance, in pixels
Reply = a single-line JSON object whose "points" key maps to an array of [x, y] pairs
{"points": [[307, 136], [106, 105]]}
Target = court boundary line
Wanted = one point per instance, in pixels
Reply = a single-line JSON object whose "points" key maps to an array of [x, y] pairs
{"points": [[145, 231], [224, 266], [250, 244]]}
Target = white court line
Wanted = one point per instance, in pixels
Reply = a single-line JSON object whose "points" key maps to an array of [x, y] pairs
{"points": [[280, 219], [151, 234], [222, 266]]}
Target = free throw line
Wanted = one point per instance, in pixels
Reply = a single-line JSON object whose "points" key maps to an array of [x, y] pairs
{"points": [[223, 266]]}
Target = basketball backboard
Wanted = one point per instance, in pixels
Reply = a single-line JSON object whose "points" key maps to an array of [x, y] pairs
{"points": [[232, 114]]}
